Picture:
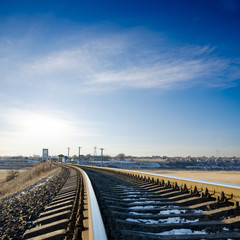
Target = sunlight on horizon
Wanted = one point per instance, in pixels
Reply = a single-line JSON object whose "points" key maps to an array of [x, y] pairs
{"points": [[41, 126]]}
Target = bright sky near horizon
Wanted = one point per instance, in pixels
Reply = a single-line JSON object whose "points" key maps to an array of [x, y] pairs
{"points": [[146, 77]]}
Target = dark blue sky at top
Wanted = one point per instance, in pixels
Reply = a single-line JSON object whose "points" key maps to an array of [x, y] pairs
{"points": [[182, 23], [215, 23], [212, 22], [204, 22]]}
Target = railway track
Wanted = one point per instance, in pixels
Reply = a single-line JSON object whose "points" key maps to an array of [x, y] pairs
{"points": [[73, 213], [145, 206], [135, 205]]}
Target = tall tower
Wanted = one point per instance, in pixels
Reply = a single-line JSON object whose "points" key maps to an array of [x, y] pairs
{"points": [[79, 149], [101, 156], [68, 151], [45, 154], [95, 152]]}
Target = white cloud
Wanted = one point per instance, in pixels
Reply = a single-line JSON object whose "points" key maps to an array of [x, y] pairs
{"points": [[159, 76], [118, 60]]}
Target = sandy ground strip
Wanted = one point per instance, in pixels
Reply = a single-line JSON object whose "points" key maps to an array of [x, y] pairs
{"points": [[232, 177]]}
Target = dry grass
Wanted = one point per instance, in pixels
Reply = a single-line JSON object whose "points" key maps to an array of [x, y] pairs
{"points": [[5, 173], [26, 178], [232, 177]]}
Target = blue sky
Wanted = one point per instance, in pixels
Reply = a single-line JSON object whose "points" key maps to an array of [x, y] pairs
{"points": [[138, 77]]}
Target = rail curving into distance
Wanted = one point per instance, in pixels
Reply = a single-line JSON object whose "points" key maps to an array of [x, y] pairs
{"points": [[139, 205], [99, 203], [73, 214], [96, 227]]}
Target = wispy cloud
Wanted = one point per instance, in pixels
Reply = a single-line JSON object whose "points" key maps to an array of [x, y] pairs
{"points": [[118, 60]]}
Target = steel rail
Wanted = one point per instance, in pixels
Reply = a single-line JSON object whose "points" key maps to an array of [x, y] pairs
{"points": [[96, 229], [220, 191]]}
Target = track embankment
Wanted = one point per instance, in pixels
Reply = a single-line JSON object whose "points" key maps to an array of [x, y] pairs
{"points": [[18, 212]]}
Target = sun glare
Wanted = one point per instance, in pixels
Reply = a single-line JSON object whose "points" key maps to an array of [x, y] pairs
{"points": [[40, 127]]}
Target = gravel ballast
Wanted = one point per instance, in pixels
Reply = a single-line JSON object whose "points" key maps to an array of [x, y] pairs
{"points": [[18, 211]]}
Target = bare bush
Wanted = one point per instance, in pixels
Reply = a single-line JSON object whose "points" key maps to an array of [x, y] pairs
{"points": [[11, 175]]}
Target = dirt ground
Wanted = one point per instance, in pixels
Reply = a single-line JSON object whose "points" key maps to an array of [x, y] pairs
{"points": [[232, 177]]}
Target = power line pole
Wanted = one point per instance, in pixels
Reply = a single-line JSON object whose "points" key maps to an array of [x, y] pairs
{"points": [[101, 156], [94, 153], [68, 151], [79, 154]]}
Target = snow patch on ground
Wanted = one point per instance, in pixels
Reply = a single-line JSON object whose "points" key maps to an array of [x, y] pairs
{"points": [[173, 211], [133, 192], [181, 231], [142, 207], [136, 213], [146, 221], [169, 206], [198, 211], [121, 186], [166, 220], [136, 202], [177, 220], [37, 185], [130, 199]]}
